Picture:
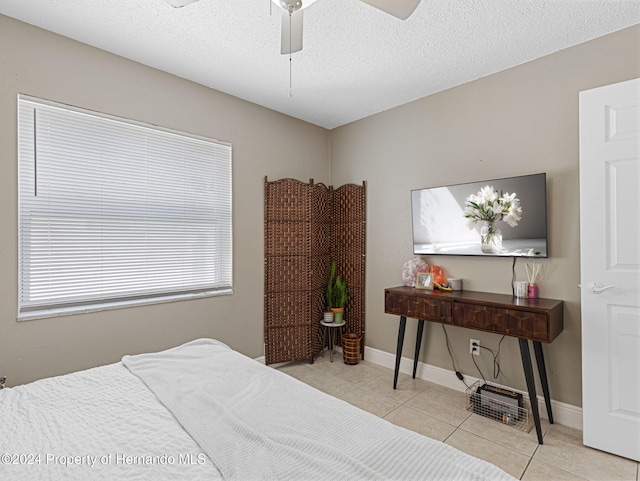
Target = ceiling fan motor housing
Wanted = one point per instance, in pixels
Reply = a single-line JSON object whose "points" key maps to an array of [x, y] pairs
{"points": [[291, 5]]}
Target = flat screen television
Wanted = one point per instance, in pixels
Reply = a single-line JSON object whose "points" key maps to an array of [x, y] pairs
{"points": [[461, 219]]}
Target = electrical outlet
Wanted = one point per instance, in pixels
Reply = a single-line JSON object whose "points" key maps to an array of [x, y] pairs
{"points": [[475, 350]]}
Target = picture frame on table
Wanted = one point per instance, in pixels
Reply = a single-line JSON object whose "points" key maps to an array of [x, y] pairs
{"points": [[424, 280]]}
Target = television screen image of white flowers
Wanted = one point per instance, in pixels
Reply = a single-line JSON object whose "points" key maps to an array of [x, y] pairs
{"points": [[455, 219], [490, 206]]}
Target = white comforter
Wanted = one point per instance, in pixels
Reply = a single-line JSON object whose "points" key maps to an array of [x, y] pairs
{"points": [[98, 424], [221, 415], [259, 424]]}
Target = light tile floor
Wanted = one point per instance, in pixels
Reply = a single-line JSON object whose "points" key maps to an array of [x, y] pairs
{"points": [[440, 413]]}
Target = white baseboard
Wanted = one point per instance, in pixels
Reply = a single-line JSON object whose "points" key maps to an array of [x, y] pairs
{"points": [[565, 414]]}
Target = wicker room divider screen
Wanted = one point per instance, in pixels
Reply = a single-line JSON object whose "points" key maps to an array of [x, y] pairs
{"points": [[306, 227]]}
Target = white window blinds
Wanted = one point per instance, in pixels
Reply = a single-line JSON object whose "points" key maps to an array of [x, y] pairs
{"points": [[113, 212]]}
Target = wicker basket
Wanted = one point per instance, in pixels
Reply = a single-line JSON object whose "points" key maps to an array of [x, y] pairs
{"points": [[351, 348]]}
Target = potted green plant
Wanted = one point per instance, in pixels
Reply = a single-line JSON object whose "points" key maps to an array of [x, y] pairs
{"points": [[336, 294]]}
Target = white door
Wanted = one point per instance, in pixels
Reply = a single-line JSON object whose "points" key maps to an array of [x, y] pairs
{"points": [[610, 267]]}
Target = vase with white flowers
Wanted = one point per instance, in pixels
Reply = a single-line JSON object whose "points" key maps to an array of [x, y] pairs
{"points": [[490, 207]]}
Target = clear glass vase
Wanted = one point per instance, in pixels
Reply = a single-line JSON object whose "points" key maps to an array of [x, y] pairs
{"points": [[490, 238]]}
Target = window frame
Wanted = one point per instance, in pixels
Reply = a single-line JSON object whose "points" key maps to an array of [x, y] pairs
{"points": [[221, 160]]}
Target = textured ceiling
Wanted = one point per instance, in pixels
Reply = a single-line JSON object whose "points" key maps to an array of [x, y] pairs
{"points": [[356, 60]]}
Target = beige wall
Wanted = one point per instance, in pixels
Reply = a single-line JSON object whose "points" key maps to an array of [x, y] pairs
{"points": [[42, 64], [523, 120], [520, 121]]}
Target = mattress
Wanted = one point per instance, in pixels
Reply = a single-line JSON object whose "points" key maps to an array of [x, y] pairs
{"points": [[204, 411]]}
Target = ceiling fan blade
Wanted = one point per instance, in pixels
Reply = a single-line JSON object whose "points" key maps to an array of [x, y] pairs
{"points": [[179, 3], [401, 9], [293, 23]]}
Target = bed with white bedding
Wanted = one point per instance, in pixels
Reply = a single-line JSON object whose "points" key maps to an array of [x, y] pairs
{"points": [[203, 411]]}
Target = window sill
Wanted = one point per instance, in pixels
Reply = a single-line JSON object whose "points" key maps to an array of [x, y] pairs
{"points": [[70, 311]]}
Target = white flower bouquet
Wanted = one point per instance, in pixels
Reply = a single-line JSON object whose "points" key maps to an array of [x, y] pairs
{"points": [[490, 206]]}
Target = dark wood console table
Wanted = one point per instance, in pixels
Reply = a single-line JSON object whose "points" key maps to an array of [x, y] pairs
{"points": [[537, 320]]}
